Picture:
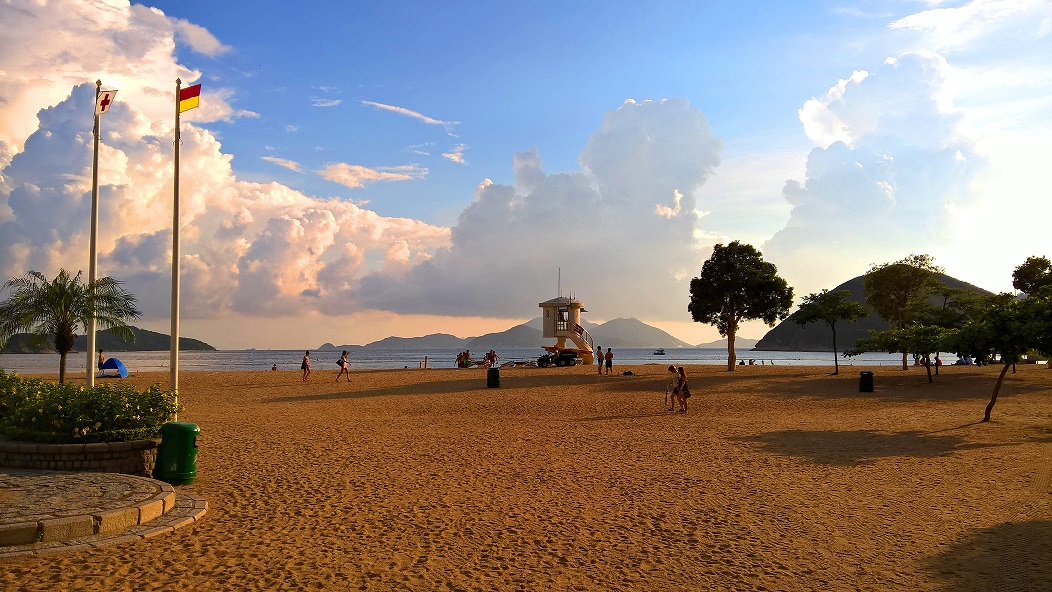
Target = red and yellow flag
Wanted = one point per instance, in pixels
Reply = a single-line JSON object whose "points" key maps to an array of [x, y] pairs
{"points": [[189, 97]]}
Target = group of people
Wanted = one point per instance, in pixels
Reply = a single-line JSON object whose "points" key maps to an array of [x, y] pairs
{"points": [[488, 360], [345, 366], [677, 387], [602, 359]]}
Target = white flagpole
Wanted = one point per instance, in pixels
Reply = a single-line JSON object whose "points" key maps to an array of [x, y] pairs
{"points": [[89, 372], [173, 381]]}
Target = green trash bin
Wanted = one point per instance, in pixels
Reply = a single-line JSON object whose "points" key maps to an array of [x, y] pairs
{"points": [[865, 381], [493, 378], [176, 462]]}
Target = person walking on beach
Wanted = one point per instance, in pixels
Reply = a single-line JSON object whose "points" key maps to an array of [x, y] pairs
{"points": [[344, 367], [673, 381], [609, 360], [682, 391], [599, 358], [305, 365], [102, 359]]}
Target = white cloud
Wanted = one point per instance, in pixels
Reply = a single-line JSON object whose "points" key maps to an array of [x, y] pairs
{"points": [[600, 226], [354, 176], [899, 165], [284, 162], [245, 246], [316, 102], [198, 38], [448, 125], [456, 154]]}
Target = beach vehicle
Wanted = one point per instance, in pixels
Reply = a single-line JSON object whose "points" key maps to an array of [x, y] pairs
{"points": [[562, 320]]}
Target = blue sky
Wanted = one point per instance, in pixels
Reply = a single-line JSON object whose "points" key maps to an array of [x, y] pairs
{"points": [[363, 170]]}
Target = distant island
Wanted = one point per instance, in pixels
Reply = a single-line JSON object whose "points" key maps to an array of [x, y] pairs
{"points": [[616, 333], [145, 340]]}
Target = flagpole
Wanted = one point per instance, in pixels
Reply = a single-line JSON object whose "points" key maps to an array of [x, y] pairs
{"points": [[173, 381], [89, 372]]}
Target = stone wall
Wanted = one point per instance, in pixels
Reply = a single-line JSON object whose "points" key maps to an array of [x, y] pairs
{"points": [[131, 458]]}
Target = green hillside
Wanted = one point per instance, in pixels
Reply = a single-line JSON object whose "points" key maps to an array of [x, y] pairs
{"points": [[789, 336], [145, 340]]}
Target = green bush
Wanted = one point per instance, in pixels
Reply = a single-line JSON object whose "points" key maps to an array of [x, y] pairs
{"points": [[35, 410]]}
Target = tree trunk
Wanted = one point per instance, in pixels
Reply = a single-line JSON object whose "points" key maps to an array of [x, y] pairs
{"points": [[731, 361], [905, 366], [836, 365], [61, 367], [997, 389], [927, 366]]}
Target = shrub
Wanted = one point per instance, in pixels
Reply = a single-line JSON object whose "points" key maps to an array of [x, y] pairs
{"points": [[39, 411]]}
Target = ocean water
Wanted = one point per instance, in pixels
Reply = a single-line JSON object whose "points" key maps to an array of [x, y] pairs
{"points": [[253, 360]]}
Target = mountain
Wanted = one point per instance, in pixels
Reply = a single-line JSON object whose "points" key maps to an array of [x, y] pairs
{"points": [[518, 336], [739, 343], [615, 333], [632, 333], [789, 336], [23, 343]]}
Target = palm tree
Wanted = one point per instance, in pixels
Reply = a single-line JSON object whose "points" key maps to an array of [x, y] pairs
{"points": [[62, 306]]}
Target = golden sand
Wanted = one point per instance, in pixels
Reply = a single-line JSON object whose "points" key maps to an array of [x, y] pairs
{"points": [[779, 478]]}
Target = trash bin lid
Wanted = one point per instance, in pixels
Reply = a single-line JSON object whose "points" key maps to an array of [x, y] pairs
{"points": [[180, 426]]}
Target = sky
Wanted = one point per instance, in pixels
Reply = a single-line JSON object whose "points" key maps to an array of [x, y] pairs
{"points": [[361, 170]]}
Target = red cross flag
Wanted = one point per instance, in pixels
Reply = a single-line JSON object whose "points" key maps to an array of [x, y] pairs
{"points": [[102, 104]]}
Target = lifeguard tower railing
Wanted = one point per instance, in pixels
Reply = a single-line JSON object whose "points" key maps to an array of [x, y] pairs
{"points": [[568, 327]]}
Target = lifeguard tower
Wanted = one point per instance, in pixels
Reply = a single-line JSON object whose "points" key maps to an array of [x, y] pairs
{"points": [[562, 320]]}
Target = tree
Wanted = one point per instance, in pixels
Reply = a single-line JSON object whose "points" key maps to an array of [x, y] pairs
{"points": [[1010, 327], [62, 306], [1032, 275], [899, 291], [919, 339], [829, 307], [735, 285]]}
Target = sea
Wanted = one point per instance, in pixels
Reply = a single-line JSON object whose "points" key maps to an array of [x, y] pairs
{"points": [[258, 359]]}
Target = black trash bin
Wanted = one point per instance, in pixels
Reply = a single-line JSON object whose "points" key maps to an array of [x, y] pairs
{"points": [[493, 378], [176, 462], [865, 381]]}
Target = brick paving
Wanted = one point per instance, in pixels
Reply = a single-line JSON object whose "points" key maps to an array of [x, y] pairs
{"points": [[53, 511]]}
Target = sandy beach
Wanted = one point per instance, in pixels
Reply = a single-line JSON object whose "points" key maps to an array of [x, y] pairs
{"points": [[779, 478]]}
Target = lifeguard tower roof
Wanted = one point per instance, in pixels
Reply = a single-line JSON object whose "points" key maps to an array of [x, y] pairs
{"points": [[562, 301]]}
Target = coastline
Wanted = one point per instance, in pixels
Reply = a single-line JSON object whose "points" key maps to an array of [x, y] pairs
{"points": [[777, 478]]}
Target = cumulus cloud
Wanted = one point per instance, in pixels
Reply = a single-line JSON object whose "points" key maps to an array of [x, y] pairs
{"points": [[353, 175], [198, 38], [253, 247], [895, 162], [599, 225]]}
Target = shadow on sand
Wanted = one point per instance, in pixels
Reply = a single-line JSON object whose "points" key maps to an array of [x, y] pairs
{"points": [[1003, 557], [848, 448]]}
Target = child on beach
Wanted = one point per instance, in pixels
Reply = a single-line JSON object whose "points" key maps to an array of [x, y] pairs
{"points": [[344, 367], [305, 365]]}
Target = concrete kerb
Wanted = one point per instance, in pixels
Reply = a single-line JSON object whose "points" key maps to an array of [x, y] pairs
{"points": [[37, 528]]}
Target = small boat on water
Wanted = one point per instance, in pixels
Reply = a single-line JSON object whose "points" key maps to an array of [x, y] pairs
{"points": [[659, 352]]}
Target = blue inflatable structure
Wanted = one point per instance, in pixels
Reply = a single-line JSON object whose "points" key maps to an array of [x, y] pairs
{"points": [[113, 364]]}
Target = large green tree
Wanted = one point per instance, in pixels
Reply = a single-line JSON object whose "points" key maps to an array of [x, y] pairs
{"points": [[899, 291], [1010, 327], [62, 306], [829, 307], [736, 285], [1032, 275]]}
